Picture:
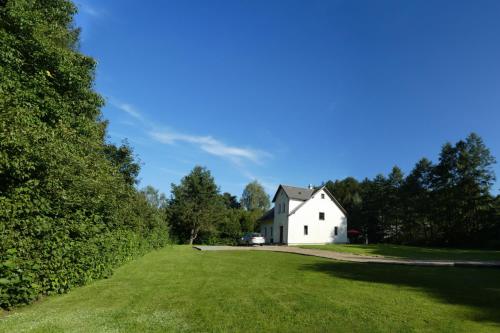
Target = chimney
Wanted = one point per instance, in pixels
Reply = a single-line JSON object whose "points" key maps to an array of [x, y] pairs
{"points": [[310, 186]]}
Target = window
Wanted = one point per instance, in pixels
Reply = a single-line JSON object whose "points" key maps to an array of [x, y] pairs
{"points": [[336, 231], [282, 207], [322, 195], [321, 216], [306, 231]]}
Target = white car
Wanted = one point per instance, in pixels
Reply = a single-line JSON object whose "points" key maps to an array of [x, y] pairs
{"points": [[252, 238]]}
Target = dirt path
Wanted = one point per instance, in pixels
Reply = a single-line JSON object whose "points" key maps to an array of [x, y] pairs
{"points": [[352, 257]]}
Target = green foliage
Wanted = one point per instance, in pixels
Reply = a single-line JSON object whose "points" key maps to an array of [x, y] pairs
{"points": [[122, 158], [444, 204], [198, 213], [68, 210], [230, 201], [196, 206], [255, 197]]}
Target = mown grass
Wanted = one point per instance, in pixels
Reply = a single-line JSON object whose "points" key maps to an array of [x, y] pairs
{"points": [[409, 252], [184, 290]]}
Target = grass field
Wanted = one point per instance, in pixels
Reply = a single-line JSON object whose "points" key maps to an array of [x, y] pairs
{"points": [[409, 252], [181, 289]]}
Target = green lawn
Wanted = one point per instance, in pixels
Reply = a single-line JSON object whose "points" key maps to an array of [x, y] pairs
{"points": [[181, 289], [411, 252]]}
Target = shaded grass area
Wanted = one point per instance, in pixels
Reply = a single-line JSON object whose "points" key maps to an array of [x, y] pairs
{"points": [[183, 290], [409, 252]]}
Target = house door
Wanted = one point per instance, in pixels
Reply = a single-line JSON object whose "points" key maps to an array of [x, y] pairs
{"points": [[281, 234]]}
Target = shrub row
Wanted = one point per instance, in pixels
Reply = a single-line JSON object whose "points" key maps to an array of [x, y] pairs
{"points": [[69, 210]]}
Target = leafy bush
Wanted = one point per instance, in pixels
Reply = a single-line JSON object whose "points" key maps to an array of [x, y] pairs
{"points": [[69, 212]]}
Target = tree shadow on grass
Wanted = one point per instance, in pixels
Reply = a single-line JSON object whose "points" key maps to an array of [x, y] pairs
{"points": [[416, 252], [476, 288]]}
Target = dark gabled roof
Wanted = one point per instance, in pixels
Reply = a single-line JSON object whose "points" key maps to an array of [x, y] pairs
{"points": [[295, 193], [304, 194], [269, 215], [328, 193]]}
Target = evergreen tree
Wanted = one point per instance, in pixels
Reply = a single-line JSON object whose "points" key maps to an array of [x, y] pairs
{"points": [[417, 201], [230, 201]]}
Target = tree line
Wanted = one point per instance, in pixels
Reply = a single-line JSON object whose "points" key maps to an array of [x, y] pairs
{"points": [[448, 203], [198, 212]]}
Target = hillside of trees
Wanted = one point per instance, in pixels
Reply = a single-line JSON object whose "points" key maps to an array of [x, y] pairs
{"points": [[447, 203]]}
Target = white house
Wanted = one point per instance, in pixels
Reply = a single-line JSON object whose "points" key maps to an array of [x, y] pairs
{"points": [[304, 216]]}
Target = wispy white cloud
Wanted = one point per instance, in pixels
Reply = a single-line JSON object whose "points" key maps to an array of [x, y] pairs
{"points": [[88, 9], [129, 109], [212, 146], [207, 143]]}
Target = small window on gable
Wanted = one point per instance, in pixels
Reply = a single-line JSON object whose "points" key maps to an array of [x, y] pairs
{"points": [[336, 231], [321, 216], [306, 230], [322, 195]]}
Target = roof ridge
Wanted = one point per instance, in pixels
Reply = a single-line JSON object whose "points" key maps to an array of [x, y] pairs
{"points": [[298, 187]]}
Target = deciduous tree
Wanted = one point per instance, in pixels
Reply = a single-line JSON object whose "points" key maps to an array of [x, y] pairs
{"points": [[255, 197], [195, 206]]}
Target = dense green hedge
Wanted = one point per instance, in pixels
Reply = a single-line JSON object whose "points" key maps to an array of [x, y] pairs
{"points": [[69, 211]]}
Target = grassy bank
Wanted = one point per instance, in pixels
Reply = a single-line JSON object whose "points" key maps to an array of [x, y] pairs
{"points": [[180, 289]]}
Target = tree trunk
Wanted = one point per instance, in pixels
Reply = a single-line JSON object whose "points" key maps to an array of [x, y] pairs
{"points": [[193, 236]]}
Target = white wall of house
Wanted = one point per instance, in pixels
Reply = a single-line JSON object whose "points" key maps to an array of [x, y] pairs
{"points": [[294, 204], [280, 217], [319, 231]]}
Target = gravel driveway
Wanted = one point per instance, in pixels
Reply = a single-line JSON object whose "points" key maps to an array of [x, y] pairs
{"points": [[351, 257]]}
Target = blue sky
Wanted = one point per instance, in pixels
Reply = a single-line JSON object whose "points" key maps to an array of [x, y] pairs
{"points": [[293, 92]]}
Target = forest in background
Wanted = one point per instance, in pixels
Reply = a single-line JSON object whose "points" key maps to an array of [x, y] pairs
{"points": [[447, 203]]}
